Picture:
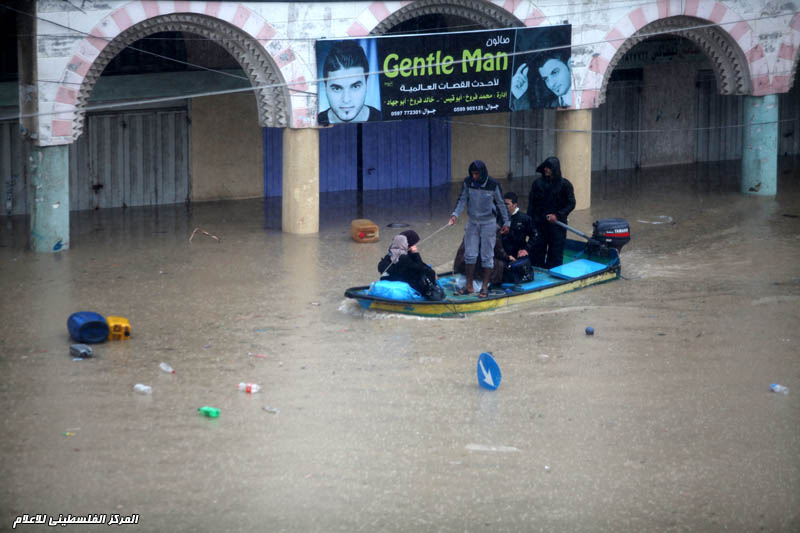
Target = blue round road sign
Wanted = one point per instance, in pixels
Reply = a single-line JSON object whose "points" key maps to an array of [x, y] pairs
{"points": [[489, 375]]}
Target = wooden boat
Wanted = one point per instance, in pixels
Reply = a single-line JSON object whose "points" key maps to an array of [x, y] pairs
{"points": [[584, 265]]}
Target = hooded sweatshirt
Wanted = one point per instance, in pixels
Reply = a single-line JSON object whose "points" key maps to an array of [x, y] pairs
{"points": [[550, 195], [483, 198]]}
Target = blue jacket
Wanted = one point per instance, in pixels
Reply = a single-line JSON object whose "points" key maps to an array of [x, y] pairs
{"points": [[483, 198]]}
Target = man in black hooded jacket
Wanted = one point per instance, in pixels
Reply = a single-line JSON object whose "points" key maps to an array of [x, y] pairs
{"points": [[551, 198]]}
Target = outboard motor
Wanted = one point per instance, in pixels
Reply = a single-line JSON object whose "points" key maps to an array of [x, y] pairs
{"points": [[612, 232]]}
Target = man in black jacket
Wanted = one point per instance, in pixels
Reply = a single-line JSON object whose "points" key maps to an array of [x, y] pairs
{"points": [[552, 198], [521, 237]]}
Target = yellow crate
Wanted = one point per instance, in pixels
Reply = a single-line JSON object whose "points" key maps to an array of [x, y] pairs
{"points": [[119, 329]]}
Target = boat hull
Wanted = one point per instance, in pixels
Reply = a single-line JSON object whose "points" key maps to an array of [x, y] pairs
{"points": [[550, 283]]}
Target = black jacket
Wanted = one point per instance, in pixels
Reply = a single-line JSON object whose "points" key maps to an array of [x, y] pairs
{"points": [[409, 268], [522, 235], [550, 195]]}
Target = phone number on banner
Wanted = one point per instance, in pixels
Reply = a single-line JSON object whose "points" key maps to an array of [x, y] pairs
{"points": [[413, 112]]}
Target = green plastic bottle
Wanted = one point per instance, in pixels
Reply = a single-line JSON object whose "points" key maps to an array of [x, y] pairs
{"points": [[210, 412]]}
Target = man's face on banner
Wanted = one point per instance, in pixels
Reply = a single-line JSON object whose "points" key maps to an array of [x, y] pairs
{"points": [[556, 76], [346, 93]]}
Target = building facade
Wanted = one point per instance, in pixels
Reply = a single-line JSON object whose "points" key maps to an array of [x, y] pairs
{"points": [[665, 82]]}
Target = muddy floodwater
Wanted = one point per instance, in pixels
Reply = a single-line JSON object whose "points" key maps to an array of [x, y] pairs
{"points": [[661, 421]]}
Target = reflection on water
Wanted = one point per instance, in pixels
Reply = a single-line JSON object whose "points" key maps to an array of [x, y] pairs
{"points": [[170, 223], [719, 177]]}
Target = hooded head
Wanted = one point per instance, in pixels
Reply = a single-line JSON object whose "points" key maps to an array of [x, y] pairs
{"points": [[411, 236], [553, 164], [398, 247], [480, 167]]}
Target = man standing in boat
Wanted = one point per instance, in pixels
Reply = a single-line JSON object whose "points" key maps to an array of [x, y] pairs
{"points": [[482, 197], [551, 198]]}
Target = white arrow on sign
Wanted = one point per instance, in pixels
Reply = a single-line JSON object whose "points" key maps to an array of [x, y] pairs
{"points": [[487, 376]]}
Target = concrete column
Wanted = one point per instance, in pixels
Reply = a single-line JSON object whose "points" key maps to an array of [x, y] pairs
{"points": [[27, 67], [48, 170], [760, 145], [574, 150], [300, 181]]}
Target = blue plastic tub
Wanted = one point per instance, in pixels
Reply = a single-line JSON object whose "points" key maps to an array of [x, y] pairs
{"points": [[87, 327]]}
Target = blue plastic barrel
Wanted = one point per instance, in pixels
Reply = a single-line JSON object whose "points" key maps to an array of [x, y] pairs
{"points": [[87, 327]]}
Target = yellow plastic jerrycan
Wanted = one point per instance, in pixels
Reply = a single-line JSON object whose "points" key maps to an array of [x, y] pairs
{"points": [[119, 329]]}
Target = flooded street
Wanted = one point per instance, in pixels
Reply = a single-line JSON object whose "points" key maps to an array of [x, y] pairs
{"points": [[663, 420]]}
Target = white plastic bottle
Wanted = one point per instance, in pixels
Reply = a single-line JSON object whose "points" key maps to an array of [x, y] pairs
{"points": [[248, 387], [143, 389], [166, 368], [779, 388]]}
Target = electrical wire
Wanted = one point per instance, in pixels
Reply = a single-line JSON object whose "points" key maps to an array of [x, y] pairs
{"points": [[324, 79], [620, 131], [623, 5], [513, 54]]}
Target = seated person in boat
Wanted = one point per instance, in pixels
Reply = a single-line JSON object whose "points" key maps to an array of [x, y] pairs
{"points": [[501, 258], [404, 263], [522, 235]]}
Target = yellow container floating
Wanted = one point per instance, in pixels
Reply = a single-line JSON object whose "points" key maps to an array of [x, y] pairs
{"points": [[364, 230], [119, 328]]}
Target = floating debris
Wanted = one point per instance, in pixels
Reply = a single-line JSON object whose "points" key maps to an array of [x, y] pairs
{"points": [[204, 232]]}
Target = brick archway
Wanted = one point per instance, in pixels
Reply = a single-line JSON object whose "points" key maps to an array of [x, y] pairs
{"points": [[264, 75], [788, 57], [729, 63], [246, 36], [723, 42], [380, 17]]}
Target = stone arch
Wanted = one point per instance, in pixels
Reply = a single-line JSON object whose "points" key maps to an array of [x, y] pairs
{"points": [[240, 32], [482, 13], [379, 18], [788, 57], [730, 64], [732, 67], [271, 92]]}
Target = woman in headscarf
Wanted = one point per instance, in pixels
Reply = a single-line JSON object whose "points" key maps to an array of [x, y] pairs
{"points": [[404, 263]]}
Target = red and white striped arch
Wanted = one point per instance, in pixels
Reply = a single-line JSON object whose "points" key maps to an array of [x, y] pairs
{"points": [[57, 128], [377, 12], [710, 10], [786, 61]]}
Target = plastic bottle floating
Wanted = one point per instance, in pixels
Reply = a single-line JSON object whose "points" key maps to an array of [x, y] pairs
{"points": [[248, 387], [210, 412]]}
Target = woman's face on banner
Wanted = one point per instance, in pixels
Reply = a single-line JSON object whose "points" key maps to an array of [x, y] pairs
{"points": [[346, 93], [556, 76]]}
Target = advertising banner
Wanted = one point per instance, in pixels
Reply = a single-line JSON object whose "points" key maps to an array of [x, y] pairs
{"points": [[443, 74]]}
